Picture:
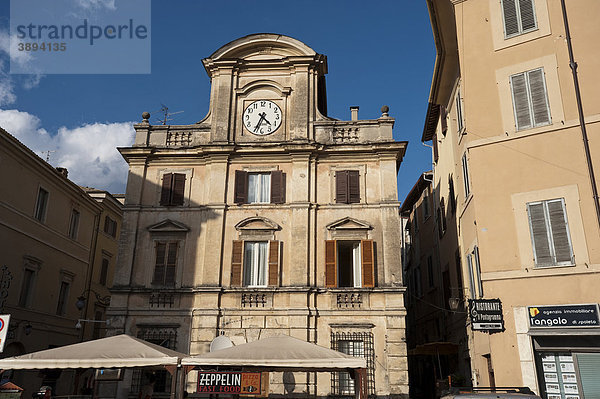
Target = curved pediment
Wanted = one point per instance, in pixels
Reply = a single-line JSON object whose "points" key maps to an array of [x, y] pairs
{"points": [[168, 226], [257, 223], [349, 223], [262, 45]]}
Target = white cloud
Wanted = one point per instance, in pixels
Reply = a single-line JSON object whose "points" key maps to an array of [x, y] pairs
{"points": [[88, 152], [8, 83], [92, 4]]}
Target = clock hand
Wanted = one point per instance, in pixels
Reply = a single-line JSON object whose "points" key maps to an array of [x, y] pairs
{"points": [[262, 116]]}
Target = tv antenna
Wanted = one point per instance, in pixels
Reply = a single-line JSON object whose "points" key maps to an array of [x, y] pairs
{"points": [[166, 114], [47, 152]]}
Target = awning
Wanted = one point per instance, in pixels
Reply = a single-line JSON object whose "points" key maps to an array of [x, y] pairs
{"points": [[278, 352], [111, 352]]}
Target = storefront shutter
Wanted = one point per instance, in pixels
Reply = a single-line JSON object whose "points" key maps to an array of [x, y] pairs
{"points": [[341, 187], [178, 189], [368, 263], [277, 187], [511, 24], [159, 264], [330, 264], [236, 262], [165, 194], [539, 99], [521, 101], [539, 234], [171, 263], [240, 192], [560, 233], [353, 187], [274, 262], [589, 370], [527, 14]]}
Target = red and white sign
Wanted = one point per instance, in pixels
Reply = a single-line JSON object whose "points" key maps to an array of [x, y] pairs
{"points": [[4, 319]]}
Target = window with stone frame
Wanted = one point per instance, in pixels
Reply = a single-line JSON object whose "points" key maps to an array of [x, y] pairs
{"points": [[165, 264], [255, 263], [266, 187], [347, 187], [519, 17], [550, 235], [349, 263], [173, 189], [358, 344]]}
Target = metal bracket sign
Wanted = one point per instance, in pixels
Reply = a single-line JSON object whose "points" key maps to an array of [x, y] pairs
{"points": [[486, 315], [4, 319], [564, 316], [230, 382]]}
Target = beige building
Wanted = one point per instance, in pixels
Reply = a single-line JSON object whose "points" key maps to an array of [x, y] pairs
{"points": [[52, 247], [266, 217], [505, 120]]}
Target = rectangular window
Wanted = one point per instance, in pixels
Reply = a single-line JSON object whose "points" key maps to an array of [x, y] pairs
{"points": [[530, 99], [256, 257], [104, 270], [166, 337], [459, 112], [259, 187], [465, 169], [416, 218], [110, 226], [74, 225], [166, 263], [425, 204], [477, 267], [63, 298], [41, 205], [550, 233], [451, 194], [347, 187], [349, 263], [519, 17], [471, 275], [173, 186], [27, 288], [430, 277], [358, 344], [418, 284]]}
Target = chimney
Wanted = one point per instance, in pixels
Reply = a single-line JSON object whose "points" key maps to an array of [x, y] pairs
{"points": [[63, 171], [354, 112]]}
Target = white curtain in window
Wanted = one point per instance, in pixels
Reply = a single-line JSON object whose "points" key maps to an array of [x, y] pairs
{"points": [[259, 188], [255, 264], [357, 265]]}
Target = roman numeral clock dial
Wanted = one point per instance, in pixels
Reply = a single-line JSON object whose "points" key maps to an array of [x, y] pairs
{"points": [[262, 117]]}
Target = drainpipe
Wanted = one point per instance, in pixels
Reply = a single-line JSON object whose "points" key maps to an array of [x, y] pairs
{"points": [[586, 145]]}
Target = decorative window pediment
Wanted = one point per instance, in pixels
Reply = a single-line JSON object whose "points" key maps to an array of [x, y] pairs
{"points": [[168, 226], [257, 223], [349, 223]]}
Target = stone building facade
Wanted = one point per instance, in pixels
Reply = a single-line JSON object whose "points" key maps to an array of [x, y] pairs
{"points": [[266, 217]]}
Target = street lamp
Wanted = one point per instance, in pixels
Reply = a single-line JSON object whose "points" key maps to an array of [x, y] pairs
{"points": [[78, 325], [81, 299]]}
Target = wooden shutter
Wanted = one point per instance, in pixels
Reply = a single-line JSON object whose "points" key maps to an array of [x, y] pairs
{"points": [[165, 194], [353, 187], [527, 12], [539, 234], [159, 264], [177, 194], [368, 263], [240, 192], [274, 263], [277, 187], [443, 119], [434, 142], [539, 99], [521, 101], [511, 23], [341, 187], [171, 263], [330, 263], [237, 255], [560, 232]]}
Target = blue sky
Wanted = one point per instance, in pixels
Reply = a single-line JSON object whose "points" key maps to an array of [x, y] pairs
{"points": [[379, 53]]}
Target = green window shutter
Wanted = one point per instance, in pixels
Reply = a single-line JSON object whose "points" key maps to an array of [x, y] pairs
{"points": [[521, 101], [539, 99], [511, 21], [589, 368], [560, 232]]}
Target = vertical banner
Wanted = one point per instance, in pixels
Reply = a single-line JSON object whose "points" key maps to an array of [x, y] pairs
{"points": [[4, 319]]}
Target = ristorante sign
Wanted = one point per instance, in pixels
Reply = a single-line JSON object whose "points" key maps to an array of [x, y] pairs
{"points": [[564, 316], [231, 382]]}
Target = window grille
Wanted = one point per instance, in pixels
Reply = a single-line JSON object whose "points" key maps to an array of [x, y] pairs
{"points": [[358, 344], [165, 337]]}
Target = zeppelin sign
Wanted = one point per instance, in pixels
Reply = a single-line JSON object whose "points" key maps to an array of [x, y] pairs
{"points": [[563, 316], [231, 382], [486, 315]]}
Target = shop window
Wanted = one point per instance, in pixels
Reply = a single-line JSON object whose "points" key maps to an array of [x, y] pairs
{"points": [[259, 187], [255, 263], [358, 344], [347, 187], [550, 233], [172, 192], [349, 263]]}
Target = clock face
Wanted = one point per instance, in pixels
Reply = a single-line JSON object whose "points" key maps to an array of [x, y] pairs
{"points": [[262, 117]]}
